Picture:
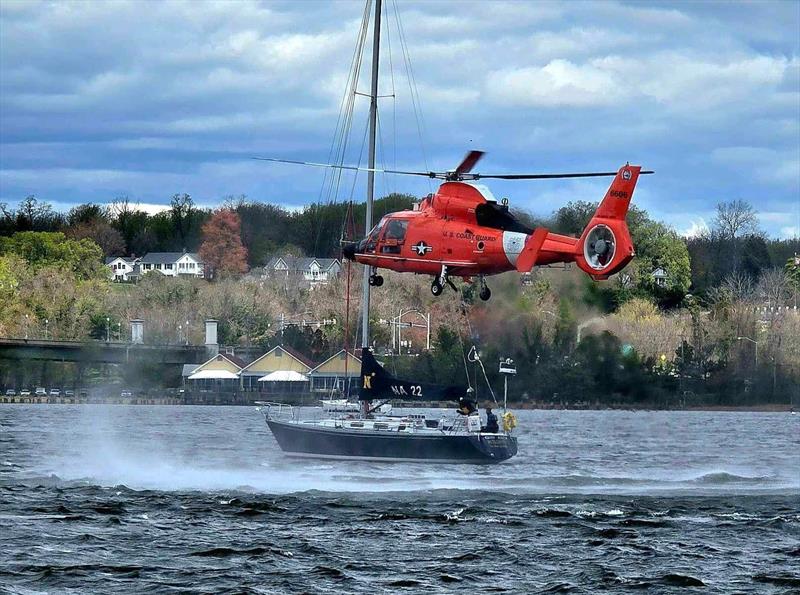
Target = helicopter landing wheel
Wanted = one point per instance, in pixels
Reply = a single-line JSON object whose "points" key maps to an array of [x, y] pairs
{"points": [[485, 293], [375, 280], [437, 288]]}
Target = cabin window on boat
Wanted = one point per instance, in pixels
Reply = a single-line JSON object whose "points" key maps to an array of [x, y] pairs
{"points": [[394, 236]]}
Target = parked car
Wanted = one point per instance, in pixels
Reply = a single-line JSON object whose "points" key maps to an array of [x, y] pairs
{"points": [[41, 391], [69, 393], [55, 392], [25, 392], [126, 394], [11, 392]]}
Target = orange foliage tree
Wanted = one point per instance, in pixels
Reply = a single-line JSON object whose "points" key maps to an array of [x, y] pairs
{"points": [[222, 251]]}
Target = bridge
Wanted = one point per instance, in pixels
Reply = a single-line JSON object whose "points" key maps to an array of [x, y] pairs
{"points": [[103, 352]]}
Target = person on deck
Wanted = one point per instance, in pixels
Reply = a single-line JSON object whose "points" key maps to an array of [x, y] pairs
{"points": [[491, 426], [466, 404]]}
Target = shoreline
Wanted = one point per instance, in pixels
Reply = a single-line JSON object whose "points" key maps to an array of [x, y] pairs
{"points": [[763, 408]]}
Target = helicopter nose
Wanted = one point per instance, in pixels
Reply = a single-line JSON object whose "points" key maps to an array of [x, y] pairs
{"points": [[349, 251]]}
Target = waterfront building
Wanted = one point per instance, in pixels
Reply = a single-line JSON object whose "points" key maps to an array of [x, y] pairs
{"points": [[335, 372], [288, 365], [219, 374]]}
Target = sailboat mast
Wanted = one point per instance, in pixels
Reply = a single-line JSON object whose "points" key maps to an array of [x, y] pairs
{"points": [[373, 117]]}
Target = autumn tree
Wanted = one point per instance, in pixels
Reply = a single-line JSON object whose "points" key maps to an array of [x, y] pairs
{"points": [[222, 250], [109, 239], [735, 219]]}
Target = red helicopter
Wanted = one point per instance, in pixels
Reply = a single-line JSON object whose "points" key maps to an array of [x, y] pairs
{"points": [[462, 231]]}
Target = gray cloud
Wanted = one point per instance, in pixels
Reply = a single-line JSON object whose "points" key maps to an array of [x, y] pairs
{"points": [[148, 99]]}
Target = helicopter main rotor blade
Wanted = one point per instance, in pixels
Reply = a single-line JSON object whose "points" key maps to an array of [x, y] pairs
{"points": [[460, 173], [427, 174], [469, 161], [546, 176]]}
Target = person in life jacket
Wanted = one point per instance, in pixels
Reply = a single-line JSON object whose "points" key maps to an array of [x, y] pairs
{"points": [[466, 404], [491, 426]]}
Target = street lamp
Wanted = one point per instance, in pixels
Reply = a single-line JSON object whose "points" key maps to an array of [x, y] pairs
{"points": [[46, 325], [753, 341], [27, 319], [108, 329], [187, 332], [180, 333], [119, 331]]}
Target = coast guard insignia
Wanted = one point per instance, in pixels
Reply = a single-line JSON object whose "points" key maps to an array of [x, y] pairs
{"points": [[626, 174], [421, 248]]}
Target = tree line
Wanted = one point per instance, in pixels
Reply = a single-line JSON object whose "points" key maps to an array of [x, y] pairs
{"points": [[122, 228], [733, 244], [685, 341]]}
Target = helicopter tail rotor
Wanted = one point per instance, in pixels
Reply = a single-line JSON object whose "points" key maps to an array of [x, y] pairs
{"points": [[605, 246]]}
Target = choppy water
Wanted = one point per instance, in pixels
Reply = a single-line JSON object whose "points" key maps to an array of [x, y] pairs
{"points": [[182, 499]]}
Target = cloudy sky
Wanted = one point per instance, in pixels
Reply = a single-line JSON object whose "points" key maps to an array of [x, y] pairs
{"points": [[146, 99]]}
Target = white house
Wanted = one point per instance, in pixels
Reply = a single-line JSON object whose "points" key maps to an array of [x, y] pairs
{"points": [[123, 268], [172, 264], [314, 270]]}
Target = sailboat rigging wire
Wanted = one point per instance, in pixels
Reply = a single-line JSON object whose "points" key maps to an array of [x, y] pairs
{"points": [[461, 342], [394, 92], [412, 86], [347, 319], [386, 183], [339, 142], [341, 137], [477, 358], [360, 155]]}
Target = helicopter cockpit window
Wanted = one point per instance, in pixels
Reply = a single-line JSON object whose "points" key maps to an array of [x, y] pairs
{"points": [[396, 230], [394, 235], [372, 238]]}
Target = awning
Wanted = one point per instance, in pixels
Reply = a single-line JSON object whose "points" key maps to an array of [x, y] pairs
{"points": [[284, 376], [213, 375]]}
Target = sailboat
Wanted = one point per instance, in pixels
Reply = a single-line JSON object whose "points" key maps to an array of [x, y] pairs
{"points": [[370, 434], [409, 438]]}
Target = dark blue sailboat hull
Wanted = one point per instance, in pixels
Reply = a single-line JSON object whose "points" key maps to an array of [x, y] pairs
{"points": [[306, 440]]}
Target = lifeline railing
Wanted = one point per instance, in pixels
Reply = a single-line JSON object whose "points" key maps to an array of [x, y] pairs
{"points": [[276, 411]]}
